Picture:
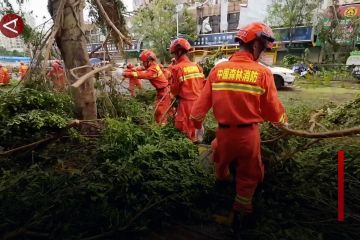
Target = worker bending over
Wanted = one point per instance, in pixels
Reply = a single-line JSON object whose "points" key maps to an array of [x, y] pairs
{"points": [[4, 75], [187, 82], [57, 76], [242, 94], [134, 82], [22, 70], [155, 75]]}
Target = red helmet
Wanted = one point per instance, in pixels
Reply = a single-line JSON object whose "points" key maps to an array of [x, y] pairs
{"points": [[129, 65], [256, 30], [56, 65], [180, 43], [147, 55]]}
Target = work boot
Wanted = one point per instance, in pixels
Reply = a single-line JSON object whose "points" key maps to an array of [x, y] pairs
{"points": [[224, 220], [238, 224]]}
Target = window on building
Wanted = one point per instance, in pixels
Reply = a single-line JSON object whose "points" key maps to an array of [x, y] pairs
{"points": [[233, 21]]}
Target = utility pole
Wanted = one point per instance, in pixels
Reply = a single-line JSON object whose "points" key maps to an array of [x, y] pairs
{"points": [[179, 7]]}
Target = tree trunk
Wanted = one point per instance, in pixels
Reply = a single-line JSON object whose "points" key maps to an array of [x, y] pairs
{"points": [[72, 45]]}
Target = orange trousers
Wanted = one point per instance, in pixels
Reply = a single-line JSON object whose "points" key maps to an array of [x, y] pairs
{"points": [[134, 83], [240, 146], [162, 104], [182, 119]]}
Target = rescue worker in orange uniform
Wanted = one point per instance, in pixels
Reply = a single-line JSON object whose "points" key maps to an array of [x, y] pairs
{"points": [[155, 75], [4, 75], [242, 94], [188, 81], [22, 70], [133, 82], [57, 75]]}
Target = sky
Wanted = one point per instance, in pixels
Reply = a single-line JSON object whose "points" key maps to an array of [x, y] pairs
{"points": [[39, 8]]}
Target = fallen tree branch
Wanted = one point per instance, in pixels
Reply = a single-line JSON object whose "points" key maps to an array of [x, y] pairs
{"points": [[33, 145], [122, 38], [275, 138], [330, 134], [77, 68], [306, 146], [85, 77], [78, 21], [57, 24], [313, 119], [130, 221], [28, 146]]}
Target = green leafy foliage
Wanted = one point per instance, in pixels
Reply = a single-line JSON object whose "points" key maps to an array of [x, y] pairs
{"points": [[290, 60], [156, 24], [28, 115], [132, 176], [347, 115]]}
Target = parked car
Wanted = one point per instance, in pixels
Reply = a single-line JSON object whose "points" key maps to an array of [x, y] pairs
{"points": [[353, 63], [356, 72], [283, 77]]}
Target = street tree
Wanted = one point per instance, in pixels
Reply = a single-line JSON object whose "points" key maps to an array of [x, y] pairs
{"points": [[69, 36], [291, 13], [187, 25], [337, 33], [156, 24]]}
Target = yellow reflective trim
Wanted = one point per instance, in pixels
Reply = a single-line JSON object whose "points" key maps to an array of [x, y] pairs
{"points": [[242, 200], [135, 74], [192, 75], [238, 87], [197, 118], [283, 118], [191, 69]]}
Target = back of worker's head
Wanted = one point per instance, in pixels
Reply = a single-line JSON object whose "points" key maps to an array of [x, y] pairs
{"points": [[255, 38], [146, 57], [130, 66], [179, 47]]}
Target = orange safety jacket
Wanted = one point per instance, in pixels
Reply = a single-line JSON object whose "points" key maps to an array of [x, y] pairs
{"points": [[22, 70], [241, 91], [187, 79], [153, 73], [57, 74], [167, 73], [4, 76]]}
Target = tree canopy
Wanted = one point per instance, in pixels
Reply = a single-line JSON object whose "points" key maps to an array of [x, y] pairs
{"points": [[291, 13], [157, 24]]}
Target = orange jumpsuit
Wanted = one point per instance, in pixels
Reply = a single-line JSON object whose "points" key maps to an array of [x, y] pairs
{"points": [[22, 71], [157, 78], [242, 94], [4, 76], [57, 75], [135, 83], [187, 83]]}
